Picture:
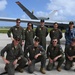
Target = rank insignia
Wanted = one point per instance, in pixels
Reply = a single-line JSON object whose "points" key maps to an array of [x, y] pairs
{"points": [[70, 49], [39, 28], [15, 28], [53, 31], [33, 49], [12, 48]]}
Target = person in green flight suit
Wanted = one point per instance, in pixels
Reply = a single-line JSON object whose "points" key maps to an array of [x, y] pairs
{"points": [[56, 33], [35, 53], [70, 54], [29, 35], [55, 53], [17, 30], [41, 32], [14, 56]]}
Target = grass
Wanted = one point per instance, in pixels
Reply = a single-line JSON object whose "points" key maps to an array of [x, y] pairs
{"points": [[5, 30]]}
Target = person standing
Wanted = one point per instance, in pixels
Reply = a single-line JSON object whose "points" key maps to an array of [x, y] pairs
{"points": [[70, 33], [56, 33], [14, 56], [29, 35], [16, 30], [41, 32]]}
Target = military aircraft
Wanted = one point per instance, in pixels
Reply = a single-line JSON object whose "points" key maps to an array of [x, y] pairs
{"points": [[35, 20], [31, 15]]}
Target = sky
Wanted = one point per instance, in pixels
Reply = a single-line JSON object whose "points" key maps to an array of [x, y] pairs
{"points": [[65, 9]]}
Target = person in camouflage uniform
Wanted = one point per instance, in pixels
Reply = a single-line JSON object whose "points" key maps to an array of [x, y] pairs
{"points": [[70, 33], [41, 32], [54, 53]]}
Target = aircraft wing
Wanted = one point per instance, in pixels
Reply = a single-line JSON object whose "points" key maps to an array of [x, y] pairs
{"points": [[62, 25], [35, 22]]}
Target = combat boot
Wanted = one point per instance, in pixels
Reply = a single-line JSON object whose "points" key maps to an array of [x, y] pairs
{"points": [[42, 70], [19, 69], [59, 69]]}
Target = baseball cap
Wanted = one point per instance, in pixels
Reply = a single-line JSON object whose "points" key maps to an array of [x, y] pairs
{"points": [[71, 23], [18, 20], [17, 38], [37, 39], [41, 20]]}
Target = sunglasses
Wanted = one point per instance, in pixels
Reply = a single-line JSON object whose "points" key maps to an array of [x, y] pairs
{"points": [[54, 41], [17, 39]]}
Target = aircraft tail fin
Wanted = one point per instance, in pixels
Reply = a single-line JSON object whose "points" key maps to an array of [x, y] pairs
{"points": [[26, 10], [52, 13]]}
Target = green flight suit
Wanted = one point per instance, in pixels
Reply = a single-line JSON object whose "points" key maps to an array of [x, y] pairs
{"points": [[69, 51], [42, 32], [56, 33], [32, 50], [13, 53], [16, 31], [53, 52], [29, 35]]}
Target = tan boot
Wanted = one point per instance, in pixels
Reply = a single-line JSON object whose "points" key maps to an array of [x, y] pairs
{"points": [[59, 69], [19, 70], [42, 70]]}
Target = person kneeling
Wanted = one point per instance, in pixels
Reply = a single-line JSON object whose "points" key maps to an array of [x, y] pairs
{"points": [[36, 54], [54, 53], [14, 56], [70, 55]]}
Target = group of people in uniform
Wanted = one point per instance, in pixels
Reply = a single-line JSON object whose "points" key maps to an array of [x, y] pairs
{"points": [[35, 48]]}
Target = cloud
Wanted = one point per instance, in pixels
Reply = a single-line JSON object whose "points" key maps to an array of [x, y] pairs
{"points": [[41, 13], [50, 14], [24, 16], [66, 9], [3, 4]]}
